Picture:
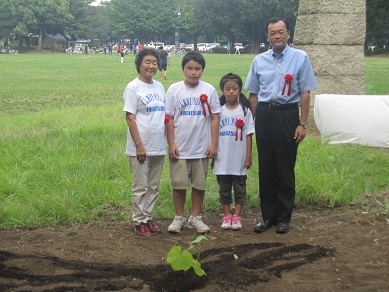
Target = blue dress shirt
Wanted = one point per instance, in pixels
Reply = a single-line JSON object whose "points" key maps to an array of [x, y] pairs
{"points": [[267, 72]]}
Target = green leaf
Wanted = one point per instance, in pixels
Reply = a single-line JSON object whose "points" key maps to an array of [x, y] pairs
{"points": [[197, 268], [173, 254], [180, 261], [198, 239], [183, 262]]}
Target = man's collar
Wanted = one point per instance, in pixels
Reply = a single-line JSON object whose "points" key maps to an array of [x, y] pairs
{"points": [[284, 52]]}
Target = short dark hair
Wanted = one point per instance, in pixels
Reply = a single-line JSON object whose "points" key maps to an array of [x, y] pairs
{"points": [[275, 20], [143, 53], [193, 56]]}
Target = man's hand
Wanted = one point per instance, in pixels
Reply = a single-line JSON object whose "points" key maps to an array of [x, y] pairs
{"points": [[300, 133]]}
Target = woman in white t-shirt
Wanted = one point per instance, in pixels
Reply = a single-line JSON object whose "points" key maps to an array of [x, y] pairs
{"points": [[144, 105], [234, 149]]}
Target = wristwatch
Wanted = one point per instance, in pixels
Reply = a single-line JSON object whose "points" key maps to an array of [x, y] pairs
{"points": [[303, 125]]}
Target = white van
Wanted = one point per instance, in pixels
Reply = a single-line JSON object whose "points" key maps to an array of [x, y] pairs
{"points": [[212, 45], [202, 47], [155, 45]]}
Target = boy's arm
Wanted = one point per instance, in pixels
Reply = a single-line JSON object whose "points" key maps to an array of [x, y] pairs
{"points": [[249, 148], [132, 125], [212, 149], [173, 149]]}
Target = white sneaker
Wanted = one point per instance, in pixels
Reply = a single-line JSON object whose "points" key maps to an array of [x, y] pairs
{"points": [[226, 224], [178, 223], [198, 224], [236, 222]]}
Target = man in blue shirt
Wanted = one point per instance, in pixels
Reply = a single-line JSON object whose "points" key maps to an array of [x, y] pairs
{"points": [[278, 81]]}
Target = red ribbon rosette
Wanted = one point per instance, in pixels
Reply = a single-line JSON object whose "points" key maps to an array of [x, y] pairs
{"points": [[239, 128], [288, 80], [167, 119], [204, 101]]}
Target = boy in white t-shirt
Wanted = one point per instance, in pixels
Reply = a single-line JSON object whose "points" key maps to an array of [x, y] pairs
{"points": [[192, 133]]}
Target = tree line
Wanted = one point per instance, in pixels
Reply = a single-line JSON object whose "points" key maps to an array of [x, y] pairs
{"points": [[150, 20]]}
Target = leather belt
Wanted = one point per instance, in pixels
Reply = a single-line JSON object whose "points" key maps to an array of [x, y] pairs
{"points": [[278, 106]]}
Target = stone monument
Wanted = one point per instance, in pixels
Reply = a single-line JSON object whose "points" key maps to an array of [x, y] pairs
{"points": [[333, 34]]}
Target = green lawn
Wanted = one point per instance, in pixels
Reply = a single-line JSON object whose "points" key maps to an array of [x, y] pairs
{"points": [[63, 133]]}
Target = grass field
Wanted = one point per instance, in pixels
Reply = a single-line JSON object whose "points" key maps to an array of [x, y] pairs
{"points": [[63, 133]]}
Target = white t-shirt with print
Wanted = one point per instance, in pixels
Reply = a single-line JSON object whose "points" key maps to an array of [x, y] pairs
{"points": [[147, 103], [231, 152], [192, 131]]}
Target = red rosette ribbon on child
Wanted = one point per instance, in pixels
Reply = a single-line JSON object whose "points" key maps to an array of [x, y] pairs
{"points": [[239, 128], [288, 81], [204, 101], [167, 120]]}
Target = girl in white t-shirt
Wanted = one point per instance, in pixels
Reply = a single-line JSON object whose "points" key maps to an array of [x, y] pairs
{"points": [[234, 149]]}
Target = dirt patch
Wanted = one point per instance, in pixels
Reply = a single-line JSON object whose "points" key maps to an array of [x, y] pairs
{"points": [[325, 250]]}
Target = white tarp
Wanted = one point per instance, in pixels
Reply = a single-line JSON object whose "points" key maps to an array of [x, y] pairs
{"points": [[353, 119]]}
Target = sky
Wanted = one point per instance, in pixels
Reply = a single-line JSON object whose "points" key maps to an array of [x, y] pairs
{"points": [[97, 2]]}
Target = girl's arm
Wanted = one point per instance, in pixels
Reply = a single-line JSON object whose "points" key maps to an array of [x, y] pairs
{"points": [[249, 161]]}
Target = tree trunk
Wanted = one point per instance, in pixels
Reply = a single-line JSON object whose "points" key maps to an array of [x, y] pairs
{"points": [[40, 39]]}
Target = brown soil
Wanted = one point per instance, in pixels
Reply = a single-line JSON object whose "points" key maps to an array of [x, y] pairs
{"points": [[325, 250]]}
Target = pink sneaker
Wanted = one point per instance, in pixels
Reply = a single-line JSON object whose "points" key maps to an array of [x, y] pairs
{"points": [[226, 222], [142, 230], [236, 222]]}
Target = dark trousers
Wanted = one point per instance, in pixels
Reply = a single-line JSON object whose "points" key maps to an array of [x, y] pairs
{"points": [[277, 153]]}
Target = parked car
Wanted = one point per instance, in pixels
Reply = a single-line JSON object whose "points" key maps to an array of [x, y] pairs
{"points": [[155, 45], [212, 46], [246, 49], [202, 47], [239, 45], [169, 47]]}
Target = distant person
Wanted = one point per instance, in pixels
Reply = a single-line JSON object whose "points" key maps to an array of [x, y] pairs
{"points": [[122, 53], [278, 81], [119, 49], [144, 105], [163, 56], [170, 54], [86, 50], [193, 106], [105, 49], [237, 49], [234, 153], [134, 49], [110, 49], [228, 48]]}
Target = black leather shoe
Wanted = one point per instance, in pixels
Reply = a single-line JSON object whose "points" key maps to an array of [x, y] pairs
{"points": [[263, 226], [282, 228]]}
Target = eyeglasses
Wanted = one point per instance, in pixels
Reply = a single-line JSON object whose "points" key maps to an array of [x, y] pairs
{"points": [[280, 33]]}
